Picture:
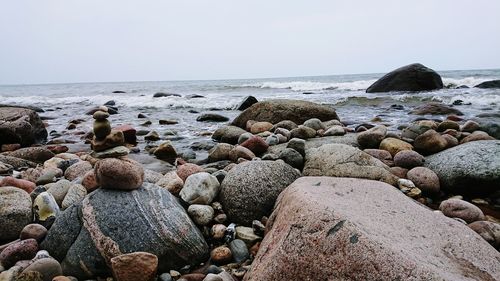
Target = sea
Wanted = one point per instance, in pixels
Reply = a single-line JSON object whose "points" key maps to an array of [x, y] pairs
{"points": [[346, 93]]}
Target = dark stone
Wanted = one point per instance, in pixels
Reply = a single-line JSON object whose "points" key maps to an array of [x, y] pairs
{"points": [[21, 125], [413, 77], [161, 95], [246, 103], [435, 108], [117, 92], [211, 117], [489, 84]]}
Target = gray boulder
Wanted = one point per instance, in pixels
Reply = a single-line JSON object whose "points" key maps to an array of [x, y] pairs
{"points": [[472, 167], [15, 212], [275, 111], [413, 77], [250, 189], [21, 125], [108, 223], [340, 160]]}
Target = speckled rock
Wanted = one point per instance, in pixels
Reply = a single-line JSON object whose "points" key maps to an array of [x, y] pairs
{"points": [[48, 267], [77, 170], [124, 173], [221, 255], [185, 170], [256, 144], [456, 208], [259, 127], [315, 124], [408, 159], [327, 217], [135, 266], [89, 181], [15, 212], [240, 152], [89, 234], [490, 232], [172, 182], [220, 152], [476, 136], [302, 132], [394, 145], [249, 190], [20, 250], [228, 134], [33, 230], [200, 188], [430, 142], [35, 154], [471, 167], [201, 214], [340, 160], [425, 179], [19, 183], [166, 151], [372, 137], [75, 194], [58, 190]]}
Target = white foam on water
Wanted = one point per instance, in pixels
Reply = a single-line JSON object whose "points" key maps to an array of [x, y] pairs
{"points": [[313, 86], [467, 81]]}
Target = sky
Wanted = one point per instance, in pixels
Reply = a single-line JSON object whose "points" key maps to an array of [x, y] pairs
{"points": [[63, 41]]}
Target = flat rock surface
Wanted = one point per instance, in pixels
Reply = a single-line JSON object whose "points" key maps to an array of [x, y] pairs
{"points": [[354, 229]]}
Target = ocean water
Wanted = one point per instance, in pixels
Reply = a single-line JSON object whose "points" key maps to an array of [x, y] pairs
{"points": [[345, 93]]}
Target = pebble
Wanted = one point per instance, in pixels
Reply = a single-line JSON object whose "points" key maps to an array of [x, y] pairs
{"points": [[335, 130], [152, 136], [21, 250], [33, 231], [430, 142], [408, 159], [220, 218], [470, 126], [58, 190], [19, 183], [303, 132], [221, 255], [399, 172], [315, 124], [49, 176], [200, 188], [479, 201], [240, 152], [247, 235], [212, 277], [239, 250], [274, 139], [220, 175], [77, 170], [121, 174], [298, 144], [372, 137], [447, 124], [455, 208], [135, 266], [89, 181], [490, 232], [220, 152], [405, 184], [75, 194], [394, 145], [172, 182], [45, 208], [166, 151], [48, 267], [414, 193], [101, 129], [115, 152], [218, 230], [166, 277], [259, 127], [284, 132], [425, 179], [201, 214], [256, 144], [292, 158]]}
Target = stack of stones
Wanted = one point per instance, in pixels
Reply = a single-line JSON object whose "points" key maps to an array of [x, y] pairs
{"points": [[114, 170]]}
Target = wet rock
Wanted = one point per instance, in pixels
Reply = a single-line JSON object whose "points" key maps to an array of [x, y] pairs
{"points": [[152, 136], [246, 103], [412, 77], [58, 190], [135, 266], [221, 255], [34, 154], [335, 130], [123, 174], [471, 167], [285, 124], [249, 190], [90, 234], [89, 181], [21, 125], [114, 152], [228, 134], [77, 170], [394, 145], [274, 111], [493, 84], [19, 183], [382, 155], [129, 133], [166, 151], [340, 160], [456, 208], [15, 212], [328, 216], [425, 179], [247, 235], [408, 159], [200, 188], [490, 232], [211, 117], [450, 141], [447, 125], [398, 172], [372, 137], [201, 214], [430, 142], [435, 108], [239, 250], [162, 95], [298, 145], [113, 139]]}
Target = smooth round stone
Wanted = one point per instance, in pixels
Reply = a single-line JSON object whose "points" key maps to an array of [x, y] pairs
{"points": [[303, 132], [77, 170], [256, 144], [470, 126], [122, 174], [298, 144], [166, 277], [259, 127], [213, 277], [188, 169], [446, 125], [114, 138], [201, 214], [100, 115], [284, 132], [372, 137], [408, 159], [200, 188], [221, 255], [292, 158], [273, 140], [240, 152], [335, 130], [405, 184], [46, 209], [247, 235], [239, 250], [394, 145], [430, 142], [114, 152], [314, 123], [220, 152], [220, 175], [89, 181], [58, 190], [15, 212], [218, 231], [399, 172], [135, 266], [19, 183], [258, 227], [220, 218], [33, 231], [243, 137], [101, 129], [172, 182], [21, 250], [166, 151], [425, 179], [48, 267], [49, 176], [414, 192], [455, 208]]}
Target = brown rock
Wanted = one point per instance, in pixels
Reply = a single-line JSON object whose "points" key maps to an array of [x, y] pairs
{"points": [[320, 227], [10, 147], [303, 132], [490, 232], [15, 212], [48, 267], [394, 145], [447, 125], [220, 152], [122, 174], [256, 144], [35, 154], [192, 277], [450, 141], [456, 208], [172, 182], [435, 108], [21, 250], [221, 255], [185, 170], [399, 172], [89, 181], [115, 138], [135, 266], [240, 152], [77, 170], [259, 127], [373, 137], [477, 136], [33, 231], [19, 183], [382, 155], [470, 126], [408, 159], [430, 142], [425, 179], [166, 151], [129, 133]]}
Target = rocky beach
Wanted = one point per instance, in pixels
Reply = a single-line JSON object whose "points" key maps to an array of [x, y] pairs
{"points": [[354, 177]]}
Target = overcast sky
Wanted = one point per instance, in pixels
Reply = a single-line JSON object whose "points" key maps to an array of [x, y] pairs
{"points": [[118, 40]]}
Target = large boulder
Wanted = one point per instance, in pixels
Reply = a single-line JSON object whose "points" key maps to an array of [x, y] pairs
{"points": [[489, 84], [21, 125], [108, 223], [274, 111], [340, 160], [473, 167], [15, 212], [250, 189], [413, 77], [354, 229]]}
